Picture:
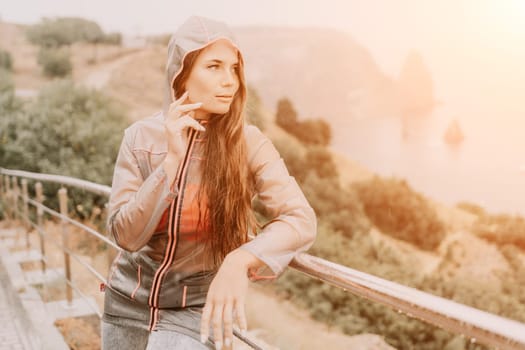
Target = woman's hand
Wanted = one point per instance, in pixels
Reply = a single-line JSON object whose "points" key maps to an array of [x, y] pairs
{"points": [[178, 120], [226, 297]]}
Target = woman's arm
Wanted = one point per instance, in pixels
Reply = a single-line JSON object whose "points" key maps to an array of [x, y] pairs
{"points": [[292, 230], [293, 225], [136, 204]]}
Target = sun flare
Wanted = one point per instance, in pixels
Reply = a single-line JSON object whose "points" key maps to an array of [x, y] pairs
{"points": [[509, 15]]}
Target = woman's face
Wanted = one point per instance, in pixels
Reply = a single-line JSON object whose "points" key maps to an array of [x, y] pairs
{"points": [[214, 79]]}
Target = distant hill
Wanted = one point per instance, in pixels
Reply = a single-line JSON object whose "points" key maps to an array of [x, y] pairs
{"points": [[324, 72]]}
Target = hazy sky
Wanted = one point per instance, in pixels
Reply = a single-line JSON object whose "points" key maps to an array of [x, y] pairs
{"points": [[388, 28], [455, 37]]}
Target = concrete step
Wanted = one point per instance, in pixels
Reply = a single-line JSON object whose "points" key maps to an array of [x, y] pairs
{"points": [[38, 277], [40, 316], [8, 233], [25, 256], [78, 307], [34, 327], [10, 237]]}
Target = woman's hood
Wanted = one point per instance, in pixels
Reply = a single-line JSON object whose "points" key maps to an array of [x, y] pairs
{"points": [[194, 34]]}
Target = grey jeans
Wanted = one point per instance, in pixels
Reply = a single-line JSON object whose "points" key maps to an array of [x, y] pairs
{"points": [[123, 337]]}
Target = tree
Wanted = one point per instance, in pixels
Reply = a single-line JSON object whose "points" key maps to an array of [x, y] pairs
{"points": [[6, 62], [286, 116], [309, 132]]}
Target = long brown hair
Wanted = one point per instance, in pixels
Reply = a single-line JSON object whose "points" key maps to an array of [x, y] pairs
{"points": [[226, 179]]}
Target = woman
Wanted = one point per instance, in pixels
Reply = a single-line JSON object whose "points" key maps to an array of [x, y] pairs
{"points": [[180, 205]]}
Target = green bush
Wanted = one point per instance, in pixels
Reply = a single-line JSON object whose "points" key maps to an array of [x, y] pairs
{"points": [[399, 211], [6, 83], [313, 132], [340, 208], [316, 159], [501, 230], [350, 313], [10, 108], [254, 113], [68, 130], [317, 174], [56, 32], [293, 158], [319, 160], [55, 62], [6, 61]]}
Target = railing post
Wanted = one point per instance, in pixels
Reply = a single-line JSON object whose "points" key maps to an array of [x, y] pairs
{"points": [[2, 186], [39, 221], [15, 192], [5, 195], [62, 198], [26, 220], [8, 201]]}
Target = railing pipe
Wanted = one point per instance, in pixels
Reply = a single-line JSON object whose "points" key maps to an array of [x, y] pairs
{"points": [[475, 324], [76, 223], [61, 180]]}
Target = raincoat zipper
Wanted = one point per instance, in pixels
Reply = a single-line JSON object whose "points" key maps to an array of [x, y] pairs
{"points": [[173, 233]]}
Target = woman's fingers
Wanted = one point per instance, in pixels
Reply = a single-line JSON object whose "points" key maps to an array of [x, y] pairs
{"points": [[177, 107], [180, 110], [189, 107], [227, 318], [205, 322], [187, 121], [241, 316], [221, 319], [217, 325], [177, 126], [180, 99]]}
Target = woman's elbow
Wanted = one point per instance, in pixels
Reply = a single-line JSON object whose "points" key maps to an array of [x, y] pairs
{"points": [[127, 245], [310, 231], [123, 240]]}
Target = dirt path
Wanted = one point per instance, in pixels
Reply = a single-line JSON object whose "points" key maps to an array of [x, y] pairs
{"points": [[282, 324], [99, 75]]}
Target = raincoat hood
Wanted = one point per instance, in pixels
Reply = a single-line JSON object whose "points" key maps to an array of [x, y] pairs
{"points": [[194, 34]]}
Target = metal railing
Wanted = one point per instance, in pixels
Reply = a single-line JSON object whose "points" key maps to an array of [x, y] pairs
{"points": [[12, 194], [477, 325]]}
